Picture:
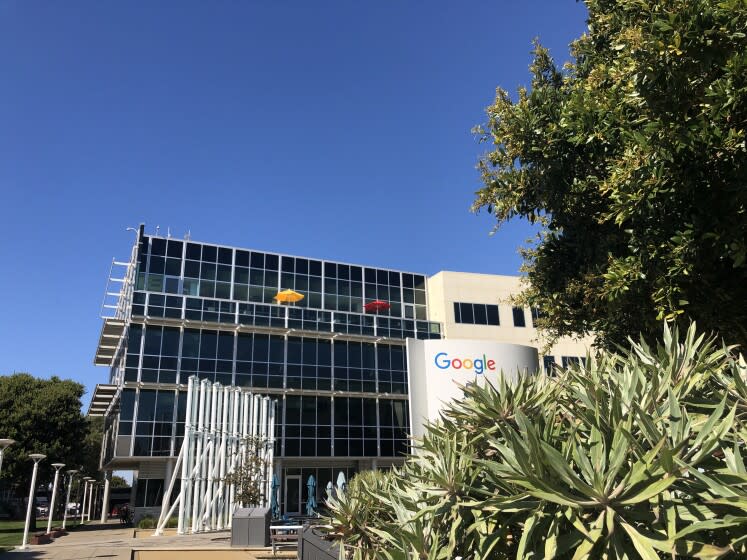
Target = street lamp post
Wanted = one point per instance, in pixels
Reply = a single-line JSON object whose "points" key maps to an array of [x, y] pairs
{"points": [[71, 473], [4, 442], [36, 458], [90, 497], [85, 493], [57, 467]]}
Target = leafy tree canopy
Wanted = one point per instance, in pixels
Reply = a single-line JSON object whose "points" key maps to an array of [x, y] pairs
{"points": [[44, 416], [632, 159], [119, 482]]}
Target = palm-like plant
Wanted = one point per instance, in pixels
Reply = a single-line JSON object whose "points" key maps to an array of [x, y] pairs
{"points": [[634, 454]]}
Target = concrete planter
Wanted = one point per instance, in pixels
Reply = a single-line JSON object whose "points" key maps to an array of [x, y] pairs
{"points": [[40, 538]]}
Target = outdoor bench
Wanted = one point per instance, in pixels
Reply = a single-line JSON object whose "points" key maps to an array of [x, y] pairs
{"points": [[284, 535]]}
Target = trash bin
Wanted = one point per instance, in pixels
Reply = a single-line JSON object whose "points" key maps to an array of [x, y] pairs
{"points": [[251, 527]]}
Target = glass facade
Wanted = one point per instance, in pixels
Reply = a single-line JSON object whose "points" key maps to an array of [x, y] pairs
{"points": [[338, 373], [206, 282]]}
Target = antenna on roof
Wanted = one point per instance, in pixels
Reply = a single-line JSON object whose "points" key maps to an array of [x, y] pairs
{"points": [[157, 230], [188, 235], [168, 232]]}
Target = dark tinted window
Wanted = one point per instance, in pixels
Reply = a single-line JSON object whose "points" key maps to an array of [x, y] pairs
{"points": [[476, 313]]}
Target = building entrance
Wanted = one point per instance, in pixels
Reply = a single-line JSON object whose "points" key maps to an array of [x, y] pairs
{"points": [[293, 495]]}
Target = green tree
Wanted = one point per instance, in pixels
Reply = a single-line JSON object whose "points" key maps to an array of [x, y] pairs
{"points": [[44, 416], [632, 159], [119, 482]]}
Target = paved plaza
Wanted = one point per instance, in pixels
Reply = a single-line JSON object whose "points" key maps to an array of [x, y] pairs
{"points": [[113, 541]]}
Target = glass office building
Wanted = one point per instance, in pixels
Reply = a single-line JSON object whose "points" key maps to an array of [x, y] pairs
{"points": [[337, 371]]}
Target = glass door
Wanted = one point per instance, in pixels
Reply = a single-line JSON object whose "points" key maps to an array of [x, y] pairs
{"points": [[293, 495]]}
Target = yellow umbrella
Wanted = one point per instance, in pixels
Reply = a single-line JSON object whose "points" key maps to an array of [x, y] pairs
{"points": [[288, 296]]}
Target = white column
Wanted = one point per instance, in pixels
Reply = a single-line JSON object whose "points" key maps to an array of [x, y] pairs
{"points": [[91, 498], [71, 472], [186, 485], [36, 457], [222, 458], [83, 504], [200, 461], [105, 502], [216, 396], [57, 467]]}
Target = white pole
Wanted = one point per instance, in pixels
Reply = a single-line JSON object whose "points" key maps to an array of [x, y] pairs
{"points": [[234, 448], [197, 501], [222, 459], [263, 438], [186, 480], [105, 501], [71, 472], [36, 457], [215, 397], [83, 505], [57, 467], [90, 501]]}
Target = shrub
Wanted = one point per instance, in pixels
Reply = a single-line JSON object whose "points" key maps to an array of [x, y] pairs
{"points": [[147, 522], [636, 453]]}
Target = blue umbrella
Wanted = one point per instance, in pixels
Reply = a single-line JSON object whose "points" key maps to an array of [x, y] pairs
{"points": [[274, 506], [311, 499]]}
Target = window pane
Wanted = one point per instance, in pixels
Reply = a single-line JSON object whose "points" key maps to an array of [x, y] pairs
{"points": [[481, 316], [467, 313], [493, 318]]}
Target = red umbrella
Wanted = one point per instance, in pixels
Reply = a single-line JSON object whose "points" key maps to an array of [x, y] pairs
{"points": [[376, 306]]}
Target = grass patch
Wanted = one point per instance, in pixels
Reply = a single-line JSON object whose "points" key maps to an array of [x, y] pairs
{"points": [[11, 534]]}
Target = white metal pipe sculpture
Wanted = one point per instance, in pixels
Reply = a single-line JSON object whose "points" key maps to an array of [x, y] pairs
{"points": [[222, 425]]}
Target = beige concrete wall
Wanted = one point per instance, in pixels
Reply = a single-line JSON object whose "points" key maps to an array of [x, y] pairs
{"points": [[447, 287]]}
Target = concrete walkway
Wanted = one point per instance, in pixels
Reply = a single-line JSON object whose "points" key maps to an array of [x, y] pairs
{"points": [[112, 541]]}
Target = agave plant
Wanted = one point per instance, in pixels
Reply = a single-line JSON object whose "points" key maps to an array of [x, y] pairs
{"points": [[634, 454]]}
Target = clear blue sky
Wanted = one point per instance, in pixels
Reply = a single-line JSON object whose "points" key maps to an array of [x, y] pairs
{"points": [[337, 130]]}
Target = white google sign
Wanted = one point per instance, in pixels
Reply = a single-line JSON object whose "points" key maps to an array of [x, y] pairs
{"points": [[438, 369]]}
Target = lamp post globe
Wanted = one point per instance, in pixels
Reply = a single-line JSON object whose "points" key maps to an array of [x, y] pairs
{"points": [[36, 457], [50, 514], [71, 473]]}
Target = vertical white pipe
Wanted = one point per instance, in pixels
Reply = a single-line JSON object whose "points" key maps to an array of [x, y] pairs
{"points": [[234, 450], [67, 501], [215, 398], [90, 501], [269, 464], [262, 435], [222, 464], [54, 495], [197, 494], [31, 506], [83, 505], [186, 479], [105, 502]]}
